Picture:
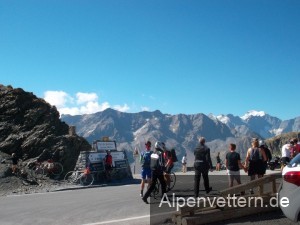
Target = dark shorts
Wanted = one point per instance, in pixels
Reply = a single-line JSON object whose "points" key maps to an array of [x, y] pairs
{"points": [[146, 173], [108, 167], [256, 168]]}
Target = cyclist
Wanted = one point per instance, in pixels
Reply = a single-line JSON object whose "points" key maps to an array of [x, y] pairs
{"points": [[169, 165], [157, 168], [145, 160]]}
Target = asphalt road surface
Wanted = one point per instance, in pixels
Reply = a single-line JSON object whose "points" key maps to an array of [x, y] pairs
{"points": [[106, 205]]}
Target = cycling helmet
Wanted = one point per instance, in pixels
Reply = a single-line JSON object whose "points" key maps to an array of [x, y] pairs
{"points": [[160, 145]]}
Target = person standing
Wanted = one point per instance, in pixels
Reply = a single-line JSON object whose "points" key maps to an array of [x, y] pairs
{"points": [[184, 163], [108, 164], [286, 154], [255, 161], [202, 165], [268, 153], [15, 160], [218, 165], [233, 165], [145, 160], [157, 166], [169, 164], [295, 149]]}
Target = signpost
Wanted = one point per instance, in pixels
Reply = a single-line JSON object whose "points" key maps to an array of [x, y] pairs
{"points": [[96, 159]]}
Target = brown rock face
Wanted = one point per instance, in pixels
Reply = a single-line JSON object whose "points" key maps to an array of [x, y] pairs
{"points": [[31, 128]]}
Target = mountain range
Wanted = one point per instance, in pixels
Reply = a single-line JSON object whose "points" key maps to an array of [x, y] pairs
{"points": [[181, 131]]}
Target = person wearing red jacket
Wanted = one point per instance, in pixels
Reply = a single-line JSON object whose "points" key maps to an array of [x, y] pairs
{"points": [[168, 166], [108, 164]]}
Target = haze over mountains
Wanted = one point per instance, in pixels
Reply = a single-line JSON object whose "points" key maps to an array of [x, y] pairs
{"points": [[131, 130]]}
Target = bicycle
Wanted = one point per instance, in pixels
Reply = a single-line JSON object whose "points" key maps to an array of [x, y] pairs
{"points": [[21, 170], [84, 177], [156, 190], [37, 170], [40, 169], [54, 168]]}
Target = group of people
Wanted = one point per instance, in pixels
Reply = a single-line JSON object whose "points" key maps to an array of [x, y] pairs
{"points": [[256, 162], [289, 150], [156, 165]]}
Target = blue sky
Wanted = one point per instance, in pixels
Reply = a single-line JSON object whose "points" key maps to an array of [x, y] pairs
{"points": [[193, 56]]}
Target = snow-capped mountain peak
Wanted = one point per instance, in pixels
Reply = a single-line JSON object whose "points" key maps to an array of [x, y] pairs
{"points": [[223, 118], [253, 113]]}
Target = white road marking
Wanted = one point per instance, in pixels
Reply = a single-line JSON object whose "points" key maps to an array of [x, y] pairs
{"points": [[131, 218], [120, 220]]}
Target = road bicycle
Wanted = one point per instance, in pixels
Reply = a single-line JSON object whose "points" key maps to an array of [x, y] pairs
{"points": [[40, 169], [21, 170], [54, 168], [157, 188], [84, 177]]}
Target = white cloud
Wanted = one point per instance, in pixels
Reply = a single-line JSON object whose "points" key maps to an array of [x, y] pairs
{"points": [[86, 97], [123, 108], [93, 107], [84, 103], [71, 111], [57, 98]]}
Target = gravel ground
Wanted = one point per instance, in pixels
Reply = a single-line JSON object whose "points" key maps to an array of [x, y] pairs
{"points": [[10, 184], [14, 185]]}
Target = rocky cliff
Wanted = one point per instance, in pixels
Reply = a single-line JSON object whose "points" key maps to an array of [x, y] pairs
{"points": [[31, 128]]}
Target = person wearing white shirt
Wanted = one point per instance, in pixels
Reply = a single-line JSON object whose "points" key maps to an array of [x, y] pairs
{"points": [[184, 162], [286, 154]]}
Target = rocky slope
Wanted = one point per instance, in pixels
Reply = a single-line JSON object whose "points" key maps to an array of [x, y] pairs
{"points": [[31, 128]]}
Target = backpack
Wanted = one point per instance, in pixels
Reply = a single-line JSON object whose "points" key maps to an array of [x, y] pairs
{"points": [[268, 153], [174, 156], [146, 159], [157, 162]]}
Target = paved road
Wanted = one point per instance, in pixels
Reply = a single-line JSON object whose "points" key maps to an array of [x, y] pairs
{"points": [[104, 205]]}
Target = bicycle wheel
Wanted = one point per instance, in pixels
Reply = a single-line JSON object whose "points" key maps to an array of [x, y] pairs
{"points": [[172, 180], [87, 179], [37, 172], [57, 169], [71, 177]]}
